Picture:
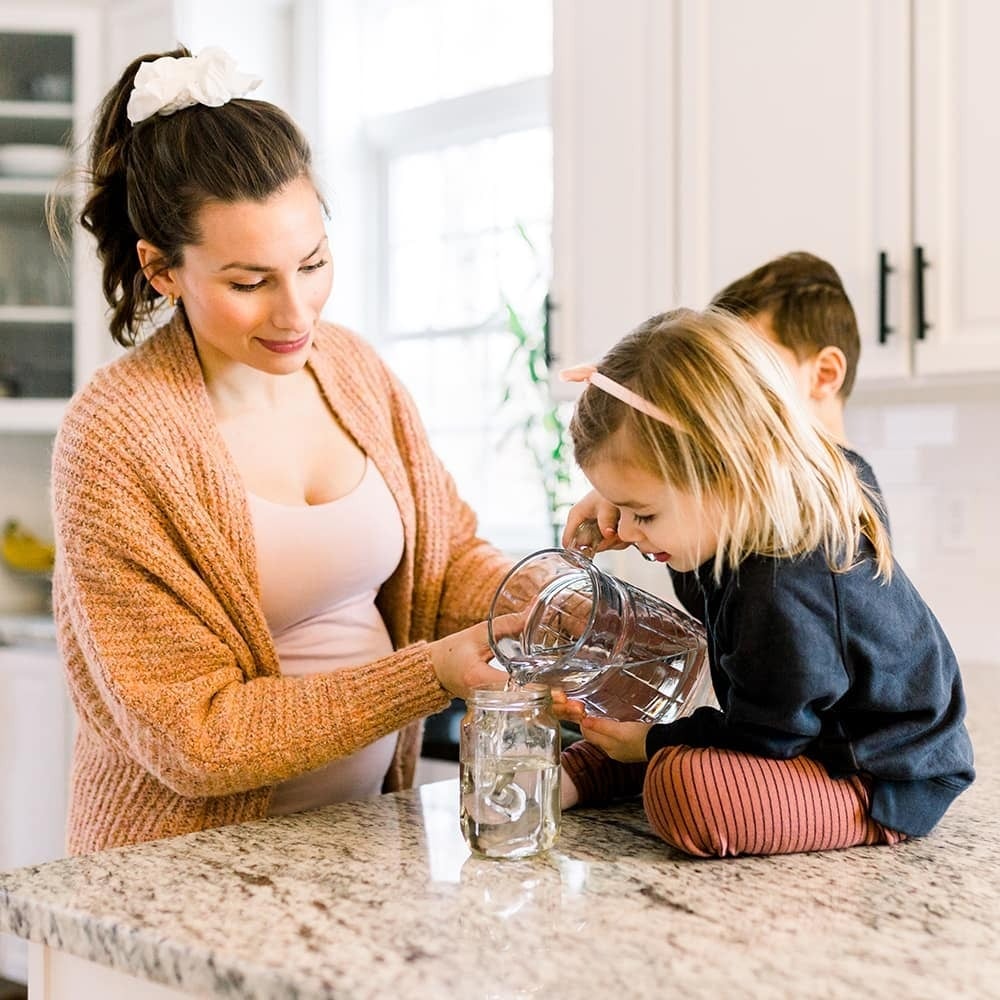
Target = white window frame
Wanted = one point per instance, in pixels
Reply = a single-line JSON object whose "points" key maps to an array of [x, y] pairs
{"points": [[470, 118]]}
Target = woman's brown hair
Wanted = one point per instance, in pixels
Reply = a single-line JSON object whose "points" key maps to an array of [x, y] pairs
{"points": [[149, 181]]}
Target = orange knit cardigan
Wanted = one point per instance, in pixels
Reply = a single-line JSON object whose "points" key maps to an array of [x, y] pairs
{"points": [[185, 721]]}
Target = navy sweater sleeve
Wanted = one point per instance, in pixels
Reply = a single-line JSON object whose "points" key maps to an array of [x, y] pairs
{"points": [[776, 672]]}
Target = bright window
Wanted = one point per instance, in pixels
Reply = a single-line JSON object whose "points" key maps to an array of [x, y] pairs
{"points": [[454, 120], [418, 52]]}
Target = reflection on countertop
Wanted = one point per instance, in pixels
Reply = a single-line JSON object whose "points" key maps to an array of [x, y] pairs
{"points": [[382, 898]]}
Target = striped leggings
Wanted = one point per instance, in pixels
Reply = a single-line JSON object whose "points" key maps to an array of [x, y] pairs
{"points": [[713, 803]]}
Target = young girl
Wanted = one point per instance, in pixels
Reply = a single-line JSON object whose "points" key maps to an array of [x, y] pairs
{"points": [[841, 719]]}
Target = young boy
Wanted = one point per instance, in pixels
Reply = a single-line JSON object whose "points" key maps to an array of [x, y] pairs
{"points": [[797, 303]]}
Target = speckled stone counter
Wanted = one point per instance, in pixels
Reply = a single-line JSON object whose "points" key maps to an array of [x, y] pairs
{"points": [[382, 899]]}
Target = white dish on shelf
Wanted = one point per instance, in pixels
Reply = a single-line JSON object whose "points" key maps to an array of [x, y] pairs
{"points": [[32, 160], [27, 630]]}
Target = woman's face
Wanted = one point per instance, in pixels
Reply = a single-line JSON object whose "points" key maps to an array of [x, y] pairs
{"points": [[658, 519], [255, 285]]}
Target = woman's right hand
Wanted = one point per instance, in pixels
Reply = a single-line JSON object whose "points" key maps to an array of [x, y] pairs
{"points": [[593, 507], [461, 660]]}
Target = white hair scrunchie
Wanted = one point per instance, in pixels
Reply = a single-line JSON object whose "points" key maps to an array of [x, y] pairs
{"points": [[169, 84]]}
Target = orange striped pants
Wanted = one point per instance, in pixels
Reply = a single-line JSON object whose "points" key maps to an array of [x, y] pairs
{"points": [[713, 803]]}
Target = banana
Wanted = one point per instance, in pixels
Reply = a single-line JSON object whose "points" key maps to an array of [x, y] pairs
{"points": [[25, 553]]}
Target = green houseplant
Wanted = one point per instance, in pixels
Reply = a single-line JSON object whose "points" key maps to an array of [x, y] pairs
{"points": [[541, 422]]}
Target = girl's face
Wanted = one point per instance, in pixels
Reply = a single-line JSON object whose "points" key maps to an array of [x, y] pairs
{"points": [[658, 519], [255, 285]]}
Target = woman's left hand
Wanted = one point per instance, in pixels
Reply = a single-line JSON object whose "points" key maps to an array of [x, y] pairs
{"points": [[621, 741]]}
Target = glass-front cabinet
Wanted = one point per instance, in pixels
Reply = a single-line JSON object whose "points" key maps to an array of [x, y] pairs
{"points": [[49, 300]]}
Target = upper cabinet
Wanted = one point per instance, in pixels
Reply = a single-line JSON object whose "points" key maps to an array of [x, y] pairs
{"points": [[855, 129], [49, 304], [956, 197], [614, 155], [793, 134]]}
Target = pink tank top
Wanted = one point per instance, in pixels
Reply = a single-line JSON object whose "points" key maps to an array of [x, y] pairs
{"points": [[320, 568]]}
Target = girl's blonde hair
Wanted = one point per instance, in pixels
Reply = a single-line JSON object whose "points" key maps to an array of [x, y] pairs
{"points": [[739, 440]]}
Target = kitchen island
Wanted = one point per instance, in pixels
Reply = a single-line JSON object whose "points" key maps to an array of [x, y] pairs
{"points": [[381, 898]]}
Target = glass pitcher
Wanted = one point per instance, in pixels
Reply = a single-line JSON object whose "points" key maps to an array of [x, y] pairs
{"points": [[624, 653]]}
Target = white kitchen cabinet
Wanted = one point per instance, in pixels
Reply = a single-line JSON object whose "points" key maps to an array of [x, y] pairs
{"points": [[613, 157], [49, 308], [956, 197], [717, 134], [793, 132], [36, 734]]}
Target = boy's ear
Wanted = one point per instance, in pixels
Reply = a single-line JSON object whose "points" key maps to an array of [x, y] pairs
{"points": [[829, 367], [149, 258]]}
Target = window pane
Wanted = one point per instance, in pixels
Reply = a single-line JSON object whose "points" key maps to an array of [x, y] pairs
{"points": [[457, 221], [467, 232], [459, 384], [420, 51]]}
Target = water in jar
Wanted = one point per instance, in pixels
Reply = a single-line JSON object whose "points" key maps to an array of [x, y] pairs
{"points": [[509, 805]]}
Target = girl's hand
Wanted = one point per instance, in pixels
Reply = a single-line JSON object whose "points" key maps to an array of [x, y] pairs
{"points": [[622, 741], [593, 507], [566, 709]]}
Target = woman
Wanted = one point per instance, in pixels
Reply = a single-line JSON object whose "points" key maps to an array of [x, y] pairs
{"points": [[262, 567]]}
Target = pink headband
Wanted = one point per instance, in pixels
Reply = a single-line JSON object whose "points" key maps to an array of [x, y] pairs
{"points": [[590, 375]]}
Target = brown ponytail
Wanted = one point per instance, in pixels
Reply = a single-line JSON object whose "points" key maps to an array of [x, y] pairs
{"points": [[149, 181]]}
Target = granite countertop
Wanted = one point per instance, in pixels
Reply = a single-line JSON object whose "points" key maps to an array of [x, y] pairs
{"points": [[381, 898]]}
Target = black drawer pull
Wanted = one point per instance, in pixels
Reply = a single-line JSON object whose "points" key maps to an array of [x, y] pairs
{"points": [[884, 270], [920, 264]]}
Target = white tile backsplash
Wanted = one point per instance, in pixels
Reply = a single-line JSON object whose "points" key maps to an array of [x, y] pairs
{"points": [[896, 465], [918, 424], [938, 462]]}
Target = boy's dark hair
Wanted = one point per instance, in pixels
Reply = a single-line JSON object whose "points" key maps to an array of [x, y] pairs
{"points": [[807, 305]]}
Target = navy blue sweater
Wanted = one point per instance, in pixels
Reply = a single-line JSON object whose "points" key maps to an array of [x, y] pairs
{"points": [[842, 668]]}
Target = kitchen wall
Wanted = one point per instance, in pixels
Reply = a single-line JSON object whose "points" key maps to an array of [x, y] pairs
{"points": [[935, 451], [936, 454]]}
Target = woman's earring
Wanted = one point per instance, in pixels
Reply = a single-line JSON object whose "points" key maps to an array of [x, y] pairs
{"points": [[172, 299]]}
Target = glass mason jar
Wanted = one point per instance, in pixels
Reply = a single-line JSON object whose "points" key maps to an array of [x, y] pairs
{"points": [[509, 771]]}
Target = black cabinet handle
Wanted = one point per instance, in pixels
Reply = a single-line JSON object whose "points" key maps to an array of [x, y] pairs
{"points": [[920, 264], [884, 270], [548, 307]]}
